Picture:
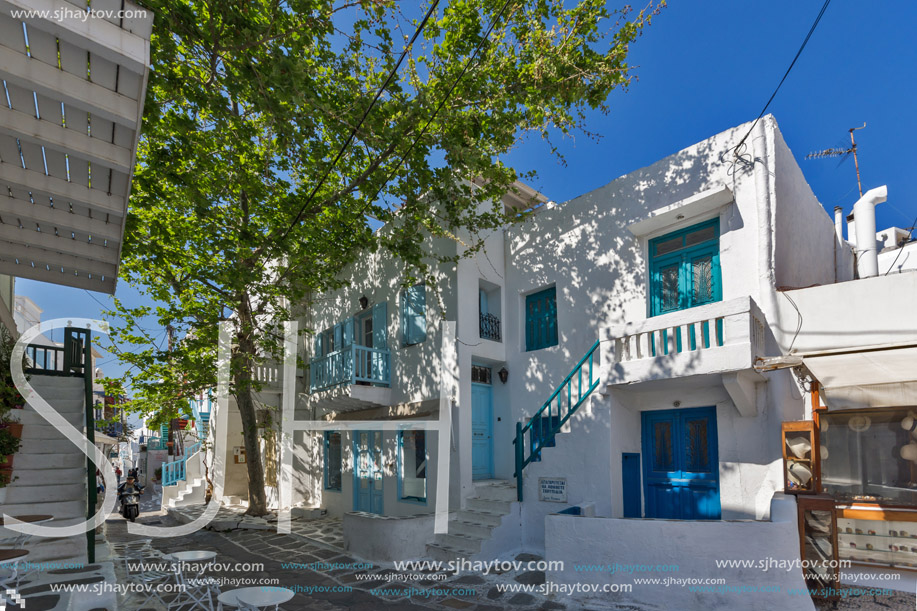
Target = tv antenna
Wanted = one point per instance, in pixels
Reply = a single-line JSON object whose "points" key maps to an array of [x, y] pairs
{"points": [[842, 152]]}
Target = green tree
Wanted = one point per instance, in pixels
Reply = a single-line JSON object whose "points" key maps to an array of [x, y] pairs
{"points": [[249, 104]]}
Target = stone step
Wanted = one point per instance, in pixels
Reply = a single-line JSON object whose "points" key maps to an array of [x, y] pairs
{"points": [[489, 505], [73, 389], [456, 541], [62, 460], [495, 491], [46, 446], [25, 491], [30, 417], [58, 509], [48, 477], [45, 431], [447, 554], [480, 517], [65, 407], [471, 529]]}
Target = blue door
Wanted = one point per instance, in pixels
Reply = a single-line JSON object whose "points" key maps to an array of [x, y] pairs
{"points": [[680, 464], [367, 471], [630, 484], [482, 449]]}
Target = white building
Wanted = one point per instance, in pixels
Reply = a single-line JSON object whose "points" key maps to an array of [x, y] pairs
{"points": [[68, 143], [609, 361]]}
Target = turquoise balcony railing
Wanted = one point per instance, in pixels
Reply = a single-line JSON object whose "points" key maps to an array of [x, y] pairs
{"points": [[156, 443], [350, 366], [551, 417]]}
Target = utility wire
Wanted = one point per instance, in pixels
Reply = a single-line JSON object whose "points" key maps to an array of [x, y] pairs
{"points": [[442, 102], [901, 248], [353, 132], [786, 74]]}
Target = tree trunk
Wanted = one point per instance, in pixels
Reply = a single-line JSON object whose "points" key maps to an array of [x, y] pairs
{"points": [[257, 502]]}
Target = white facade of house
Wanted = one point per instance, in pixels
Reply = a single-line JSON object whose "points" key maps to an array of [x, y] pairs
{"points": [[593, 251], [603, 254]]}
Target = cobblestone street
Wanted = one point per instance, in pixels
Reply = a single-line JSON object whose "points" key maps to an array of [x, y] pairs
{"points": [[325, 578]]}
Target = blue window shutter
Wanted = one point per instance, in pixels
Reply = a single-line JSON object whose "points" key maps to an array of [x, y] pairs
{"points": [[380, 327], [338, 337], [318, 345], [688, 273], [482, 307], [414, 314], [347, 339], [541, 319]]}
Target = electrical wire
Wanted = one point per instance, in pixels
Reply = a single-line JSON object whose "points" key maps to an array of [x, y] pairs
{"points": [[442, 102], [910, 233], [787, 73], [353, 132]]}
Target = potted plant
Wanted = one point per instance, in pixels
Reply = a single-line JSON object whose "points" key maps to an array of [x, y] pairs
{"points": [[10, 435], [158, 474]]}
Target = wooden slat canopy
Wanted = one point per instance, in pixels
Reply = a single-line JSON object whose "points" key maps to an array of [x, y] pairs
{"points": [[73, 83]]}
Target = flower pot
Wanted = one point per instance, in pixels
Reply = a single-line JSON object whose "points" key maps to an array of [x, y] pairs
{"points": [[6, 462], [6, 478], [15, 429]]}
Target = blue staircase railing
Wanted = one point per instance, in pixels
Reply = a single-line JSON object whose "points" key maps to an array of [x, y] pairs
{"points": [[555, 412], [201, 411], [174, 472]]}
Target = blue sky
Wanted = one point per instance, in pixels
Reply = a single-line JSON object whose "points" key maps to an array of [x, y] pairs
{"points": [[705, 66]]}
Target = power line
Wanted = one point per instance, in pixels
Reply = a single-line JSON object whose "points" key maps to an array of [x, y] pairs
{"points": [[353, 132], [420, 135], [787, 73], [901, 248]]}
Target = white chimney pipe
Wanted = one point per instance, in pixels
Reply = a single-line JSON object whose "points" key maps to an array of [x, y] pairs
{"points": [[839, 223], [864, 218]]}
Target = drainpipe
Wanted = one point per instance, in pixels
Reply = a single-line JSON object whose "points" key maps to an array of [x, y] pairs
{"points": [[839, 223], [864, 218]]}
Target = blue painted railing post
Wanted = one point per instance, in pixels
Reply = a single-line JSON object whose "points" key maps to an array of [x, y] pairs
{"points": [[520, 452]]}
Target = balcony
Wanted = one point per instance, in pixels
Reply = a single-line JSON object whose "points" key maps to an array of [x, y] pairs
{"points": [[490, 327], [353, 378], [719, 341]]}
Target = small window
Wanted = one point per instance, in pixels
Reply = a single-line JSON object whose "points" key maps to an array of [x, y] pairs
{"points": [[480, 374], [333, 460], [541, 319], [414, 314], [413, 461], [685, 269]]}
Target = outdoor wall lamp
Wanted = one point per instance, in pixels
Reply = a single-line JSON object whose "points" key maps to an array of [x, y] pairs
{"points": [[364, 302], [504, 374]]}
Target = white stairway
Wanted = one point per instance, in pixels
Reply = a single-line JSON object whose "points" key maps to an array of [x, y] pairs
{"points": [[191, 491], [49, 472], [487, 527]]}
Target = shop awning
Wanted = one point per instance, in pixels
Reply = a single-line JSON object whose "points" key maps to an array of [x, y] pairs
{"points": [[878, 376]]}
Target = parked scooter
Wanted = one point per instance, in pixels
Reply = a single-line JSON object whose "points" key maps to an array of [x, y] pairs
{"points": [[129, 495]]}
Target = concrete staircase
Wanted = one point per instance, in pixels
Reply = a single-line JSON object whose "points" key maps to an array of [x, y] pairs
{"points": [[49, 471], [487, 527], [191, 491]]}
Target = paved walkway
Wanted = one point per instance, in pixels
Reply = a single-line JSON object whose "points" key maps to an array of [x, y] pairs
{"points": [[311, 562]]}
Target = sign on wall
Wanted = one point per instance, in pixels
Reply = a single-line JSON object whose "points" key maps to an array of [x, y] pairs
{"points": [[552, 489]]}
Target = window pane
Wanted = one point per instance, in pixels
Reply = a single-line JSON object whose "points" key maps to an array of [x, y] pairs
{"points": [[703, 280], [670, 287], [696, 443], [663, 456], [414, 465], [667, 246], [870, 456], [701, 235]]}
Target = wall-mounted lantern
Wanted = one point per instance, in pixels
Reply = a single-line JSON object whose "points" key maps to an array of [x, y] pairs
{"points": [[364, 302], [504, 375]]}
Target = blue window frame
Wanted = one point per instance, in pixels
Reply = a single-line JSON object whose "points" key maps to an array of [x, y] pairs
{"points": [[412, 466], [685, 268], [541, 319], [333, 460], [414, 314]]}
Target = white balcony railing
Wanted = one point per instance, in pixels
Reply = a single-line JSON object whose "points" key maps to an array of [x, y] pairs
{"points": [[717, 337]]}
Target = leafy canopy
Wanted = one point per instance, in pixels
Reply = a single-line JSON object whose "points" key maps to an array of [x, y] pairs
{"points": [[249, 102]]}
